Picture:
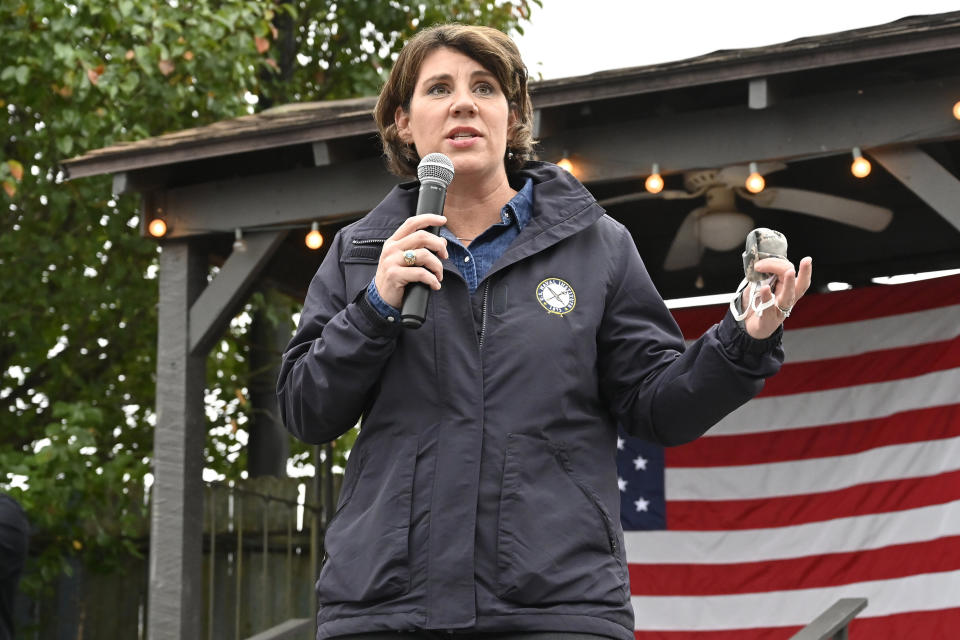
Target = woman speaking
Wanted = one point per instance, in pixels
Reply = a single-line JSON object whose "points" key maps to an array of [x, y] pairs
{"points": [[481, 497]]}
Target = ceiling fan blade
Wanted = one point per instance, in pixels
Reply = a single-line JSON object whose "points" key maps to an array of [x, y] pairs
{"points": [[645, 195], [822, 205], [736, 175], [686, 249]]}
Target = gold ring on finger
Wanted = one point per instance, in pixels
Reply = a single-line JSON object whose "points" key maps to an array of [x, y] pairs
{"points": [[409, 258]]}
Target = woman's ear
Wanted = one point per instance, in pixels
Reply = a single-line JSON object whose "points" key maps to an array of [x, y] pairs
{"points": [[402, 120]]}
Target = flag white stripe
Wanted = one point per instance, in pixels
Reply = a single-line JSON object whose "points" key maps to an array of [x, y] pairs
{"points": [[840, 535], [813, 475], [925, 592], [846, 404], [855, 338]]}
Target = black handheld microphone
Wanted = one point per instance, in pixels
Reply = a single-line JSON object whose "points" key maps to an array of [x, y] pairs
{"points": [[435, 172]]}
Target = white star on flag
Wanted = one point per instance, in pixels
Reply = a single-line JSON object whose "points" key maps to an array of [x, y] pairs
{"points": [[622, 484], [619, 444], [641, 504], [640, 463]]}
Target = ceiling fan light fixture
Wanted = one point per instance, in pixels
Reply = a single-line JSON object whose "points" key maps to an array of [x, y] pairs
{"points": [[755, 182], [724, 230], [654, 182], [861, 166]]}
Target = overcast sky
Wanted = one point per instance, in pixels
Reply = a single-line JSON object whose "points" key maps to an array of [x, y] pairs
{"points": [[575, 37]]}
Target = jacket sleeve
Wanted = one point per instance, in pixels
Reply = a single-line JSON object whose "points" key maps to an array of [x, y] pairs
{"points": [[658, 389], [335, 357]]}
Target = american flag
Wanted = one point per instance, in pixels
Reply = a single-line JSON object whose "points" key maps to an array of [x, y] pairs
{"points": [[840, 480]]}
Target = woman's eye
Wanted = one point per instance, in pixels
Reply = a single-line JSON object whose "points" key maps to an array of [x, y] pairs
{"points": [[484, 89], [437, 89]]}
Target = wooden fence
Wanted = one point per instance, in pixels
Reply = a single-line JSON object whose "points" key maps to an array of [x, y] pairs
{"points": [[262, 550]]}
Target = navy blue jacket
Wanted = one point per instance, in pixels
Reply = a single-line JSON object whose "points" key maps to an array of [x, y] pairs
{"points": [[482, 490]]}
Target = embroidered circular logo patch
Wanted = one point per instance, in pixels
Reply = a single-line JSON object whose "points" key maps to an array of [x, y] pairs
{"points": [[556, 296]]}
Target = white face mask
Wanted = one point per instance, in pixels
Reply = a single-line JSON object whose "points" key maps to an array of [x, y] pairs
{"points": [[755, 303]]}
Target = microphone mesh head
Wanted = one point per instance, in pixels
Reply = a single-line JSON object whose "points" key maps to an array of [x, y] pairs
{"points": [[435, 167]]}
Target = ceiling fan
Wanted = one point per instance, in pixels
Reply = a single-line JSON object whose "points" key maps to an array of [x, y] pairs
{"points": [[719, 226]]}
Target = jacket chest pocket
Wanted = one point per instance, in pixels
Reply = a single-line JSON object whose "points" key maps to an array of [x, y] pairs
{"points": [[359, 264]]}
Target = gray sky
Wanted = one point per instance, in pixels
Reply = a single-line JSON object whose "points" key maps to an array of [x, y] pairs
{"points": [[575, 37]]}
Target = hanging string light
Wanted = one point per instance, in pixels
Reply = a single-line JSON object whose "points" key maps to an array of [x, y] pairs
{"points": [[755, 182], [654, 182], [956, 110], [239, 244], [314, 240], [157, 228], [565, 163], [861, 166]]}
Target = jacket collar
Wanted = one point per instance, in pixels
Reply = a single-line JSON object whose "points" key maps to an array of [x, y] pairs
{"points": [[561, 207]]}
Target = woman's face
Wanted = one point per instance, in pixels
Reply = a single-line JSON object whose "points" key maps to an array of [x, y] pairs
{"points": [[458, 109]]}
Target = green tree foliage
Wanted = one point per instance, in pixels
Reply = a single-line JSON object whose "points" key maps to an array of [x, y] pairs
{"points": [[78, 287]]}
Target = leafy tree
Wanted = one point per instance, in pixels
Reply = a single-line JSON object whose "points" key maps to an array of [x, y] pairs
{"points": [[77, 292]]}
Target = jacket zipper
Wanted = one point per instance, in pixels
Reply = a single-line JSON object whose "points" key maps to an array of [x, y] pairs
{"points": [[483, 311], [357, 241]]}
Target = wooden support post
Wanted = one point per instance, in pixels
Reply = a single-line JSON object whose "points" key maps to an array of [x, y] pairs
{"points": [[175, 602], [269, 444]]}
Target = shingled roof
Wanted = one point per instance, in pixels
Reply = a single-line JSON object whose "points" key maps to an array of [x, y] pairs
{"points": [[307, 122]]}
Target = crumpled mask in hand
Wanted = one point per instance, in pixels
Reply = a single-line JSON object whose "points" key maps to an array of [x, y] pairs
{"points": [[761, 243]]}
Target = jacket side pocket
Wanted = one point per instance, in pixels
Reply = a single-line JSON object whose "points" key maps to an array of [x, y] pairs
{"points": [[556, 542], [366, 541]]}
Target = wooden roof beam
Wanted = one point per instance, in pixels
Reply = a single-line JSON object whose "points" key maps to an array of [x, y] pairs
{"points": [[925, 177], [807, 127], [219, 301]]}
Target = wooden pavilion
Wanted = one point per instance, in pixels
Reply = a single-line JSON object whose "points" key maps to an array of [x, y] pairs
{"points": [[798, 109]]}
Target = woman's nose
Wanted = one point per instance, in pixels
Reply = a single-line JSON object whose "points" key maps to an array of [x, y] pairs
{"points": [[463, 103]]}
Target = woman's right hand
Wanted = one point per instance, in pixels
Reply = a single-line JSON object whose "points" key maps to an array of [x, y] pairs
{"points": [[395, 271]]}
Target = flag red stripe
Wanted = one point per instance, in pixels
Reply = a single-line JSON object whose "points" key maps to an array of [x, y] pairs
{"points": [[876, 366], [841, 306], [918, 425], [896, 561], [941, 623], [864, 499]]}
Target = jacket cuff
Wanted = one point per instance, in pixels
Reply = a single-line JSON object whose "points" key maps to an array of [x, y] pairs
{"points": [[374, 323], [736, 341], [380, 305]]}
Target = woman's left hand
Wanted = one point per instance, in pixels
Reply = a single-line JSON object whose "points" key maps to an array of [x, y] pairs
{"points": [[790, 287]]}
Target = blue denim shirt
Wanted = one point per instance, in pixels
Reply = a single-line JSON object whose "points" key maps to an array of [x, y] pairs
{"points": [[473, 263]]}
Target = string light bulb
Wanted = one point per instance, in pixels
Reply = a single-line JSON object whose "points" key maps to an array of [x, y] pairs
{"points": [[654, 182], [861, 166], [755, 182], [956, 110], [314, 240], [157, 228], [564, 163], [239, 244]]}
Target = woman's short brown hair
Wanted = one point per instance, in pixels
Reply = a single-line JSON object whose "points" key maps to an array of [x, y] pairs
{"points": [[493, 50]]}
